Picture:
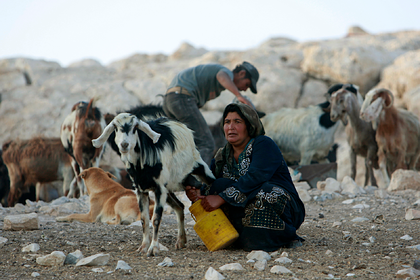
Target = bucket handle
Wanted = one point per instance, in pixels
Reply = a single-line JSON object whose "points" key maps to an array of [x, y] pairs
{"points": [[193, 217]]}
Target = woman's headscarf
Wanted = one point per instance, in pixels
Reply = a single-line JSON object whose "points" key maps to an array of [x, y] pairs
{"points": [[254, 127]]}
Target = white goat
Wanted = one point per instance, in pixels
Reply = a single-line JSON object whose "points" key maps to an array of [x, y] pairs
{"points": [[360, 135], [163, 166], [302, 133], [397, 131]]}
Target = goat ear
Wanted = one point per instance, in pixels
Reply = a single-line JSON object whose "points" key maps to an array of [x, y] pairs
{"points": [[104, 136], [143, 126], [328, 109], [388, 97]]}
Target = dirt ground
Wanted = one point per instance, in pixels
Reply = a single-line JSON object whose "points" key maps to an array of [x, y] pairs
{"points": [[352, 254]]}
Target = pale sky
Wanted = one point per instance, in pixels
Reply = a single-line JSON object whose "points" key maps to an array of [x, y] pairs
{"points": [[71, 30]]}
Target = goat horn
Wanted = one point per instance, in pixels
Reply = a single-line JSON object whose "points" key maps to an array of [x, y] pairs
{"points": [[104, 136], [145, 127]]}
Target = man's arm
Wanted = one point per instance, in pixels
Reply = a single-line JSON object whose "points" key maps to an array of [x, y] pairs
{"points": [[228, 84]]}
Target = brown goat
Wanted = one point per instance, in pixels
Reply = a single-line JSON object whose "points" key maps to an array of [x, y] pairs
{"points": [[397, 131], [34, 162], [84, 124]]}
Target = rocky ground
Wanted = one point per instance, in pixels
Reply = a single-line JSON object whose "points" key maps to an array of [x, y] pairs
{"points": [[337, 246]]}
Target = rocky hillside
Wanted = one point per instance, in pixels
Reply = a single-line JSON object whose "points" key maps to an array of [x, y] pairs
{"points": [[37, 95]]}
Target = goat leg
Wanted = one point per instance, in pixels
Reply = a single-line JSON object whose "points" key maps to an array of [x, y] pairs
{"points": [[353, 162], [161, 196], [370, 157], [178, 207], [143, 200]]}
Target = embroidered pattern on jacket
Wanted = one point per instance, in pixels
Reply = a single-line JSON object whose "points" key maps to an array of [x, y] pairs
{"points": [[266, 210], [237, 196]]}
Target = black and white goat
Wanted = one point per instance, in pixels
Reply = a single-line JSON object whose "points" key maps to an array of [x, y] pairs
{"points": [[160, 156]]}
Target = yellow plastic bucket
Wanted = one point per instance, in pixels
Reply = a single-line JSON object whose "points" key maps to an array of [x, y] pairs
{"points": [[214, 228]]}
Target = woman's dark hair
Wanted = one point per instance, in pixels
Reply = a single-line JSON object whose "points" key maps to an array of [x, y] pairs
{"points": [[239, 68], [235, 108]]}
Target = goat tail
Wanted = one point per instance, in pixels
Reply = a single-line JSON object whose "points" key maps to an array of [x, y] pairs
{"points": [[104, 136], [143, 126]]}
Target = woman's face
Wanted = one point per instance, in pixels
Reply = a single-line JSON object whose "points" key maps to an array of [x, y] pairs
{"points": [[235, 129]]}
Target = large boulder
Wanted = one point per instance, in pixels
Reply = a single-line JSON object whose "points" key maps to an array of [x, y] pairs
{"points": [[187, 51], [402, 76], [343, 63]]}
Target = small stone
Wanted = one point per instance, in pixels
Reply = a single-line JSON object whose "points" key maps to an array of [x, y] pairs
{"points": [[408, 272], [166, 262], [212, 274], [414, 247], [21, 222], [406, 237], [98, 259], [348, 201], [34, 247], [97, 270], [135, 224], [283, 260], [359, 219], [278, 269], [284, 254], [337, 224], [3, 241], [412, 214], [328, 252], [122, 265], [381, 193], [232, 267], [163, 247], [260, 265], [416, 264], [350, 274], [56, 258], [73, 257], [361, 206], [273, 254], [372, 239], [35, 274], [258, 255]]}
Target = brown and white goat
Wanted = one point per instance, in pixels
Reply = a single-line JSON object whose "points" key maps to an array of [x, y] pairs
{"points": [[397, 131], [84, 124], [34, 162]]}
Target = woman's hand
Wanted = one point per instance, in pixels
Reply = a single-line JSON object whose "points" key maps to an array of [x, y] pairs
{"points": [[192, 193], [211, 202]]}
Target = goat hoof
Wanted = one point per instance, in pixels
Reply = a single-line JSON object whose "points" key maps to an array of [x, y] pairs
{"points": [[153, 251], [180, 244], [143, 248]]}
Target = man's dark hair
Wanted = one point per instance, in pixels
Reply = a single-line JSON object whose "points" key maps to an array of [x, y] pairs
{"points": [[234, 108], [239, 68]]}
